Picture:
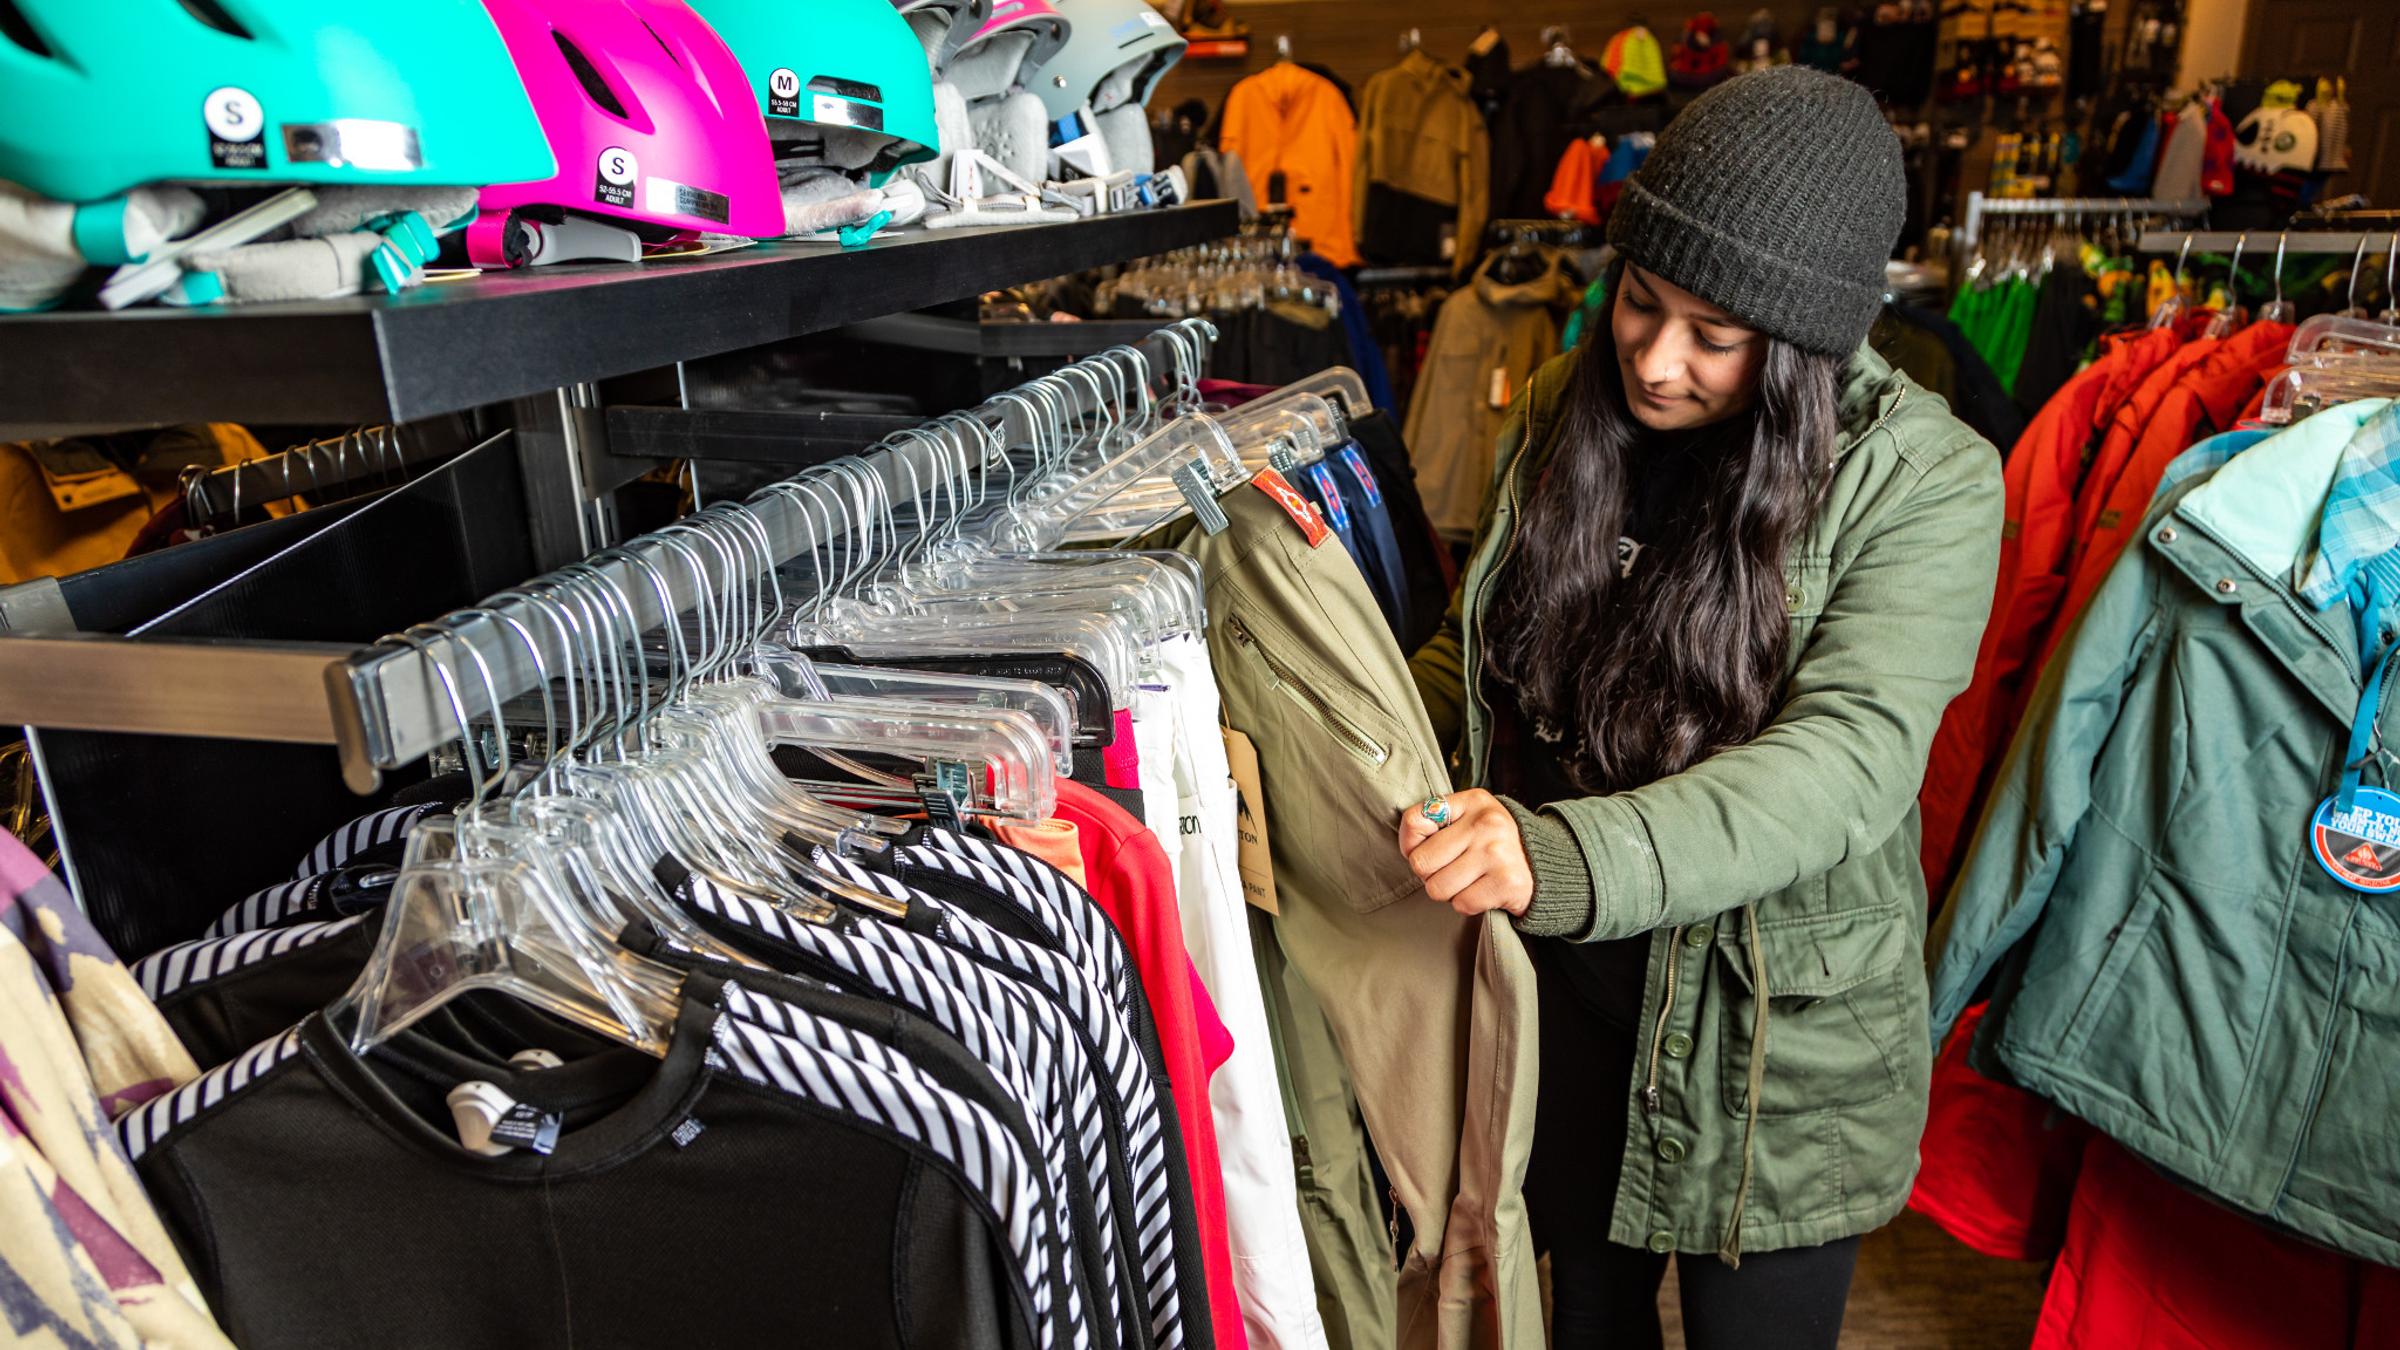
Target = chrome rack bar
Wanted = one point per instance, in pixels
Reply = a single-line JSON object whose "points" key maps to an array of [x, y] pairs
{"points": [[2376, 243], [1980, 206]]}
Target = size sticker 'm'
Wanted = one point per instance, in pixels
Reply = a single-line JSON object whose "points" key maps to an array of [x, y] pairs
{"points": [[617, 170], [235, 123], [783, 92]]}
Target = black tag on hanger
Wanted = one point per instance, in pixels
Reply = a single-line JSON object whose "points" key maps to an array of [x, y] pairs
{"points": [[527, 1126], [1079, 678]]}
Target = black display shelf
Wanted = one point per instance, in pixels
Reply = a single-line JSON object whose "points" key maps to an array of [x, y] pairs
{"points": [[442, 348]]}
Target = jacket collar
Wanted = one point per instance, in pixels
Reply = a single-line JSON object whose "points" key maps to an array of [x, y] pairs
{"points": [[2249, 534]]}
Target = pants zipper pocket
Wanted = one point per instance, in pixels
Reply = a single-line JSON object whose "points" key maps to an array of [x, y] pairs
{"points": [[1340, 728]]}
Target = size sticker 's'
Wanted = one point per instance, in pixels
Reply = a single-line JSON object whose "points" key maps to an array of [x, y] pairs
{"points": [[617, 170], [235, 123]]}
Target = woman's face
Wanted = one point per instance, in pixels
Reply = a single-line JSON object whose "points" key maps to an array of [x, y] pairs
{"points": [[1686, 363]]}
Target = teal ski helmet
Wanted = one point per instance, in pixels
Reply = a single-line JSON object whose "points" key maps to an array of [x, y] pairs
{"points": [[834, 70], [99, 98], [1114, 57]]}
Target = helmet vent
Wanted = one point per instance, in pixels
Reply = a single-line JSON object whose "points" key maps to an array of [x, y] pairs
{"points": [[662, 42], [16, 28], [213, 14], [589, 75]]}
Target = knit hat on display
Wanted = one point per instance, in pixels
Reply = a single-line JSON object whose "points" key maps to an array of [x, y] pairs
{"points": [[1777, 195]]}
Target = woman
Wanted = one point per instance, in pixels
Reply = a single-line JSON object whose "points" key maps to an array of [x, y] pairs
{"points": [[1732, 570]]}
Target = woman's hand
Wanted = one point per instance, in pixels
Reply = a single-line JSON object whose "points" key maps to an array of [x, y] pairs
{"points": [[1474, 863]]}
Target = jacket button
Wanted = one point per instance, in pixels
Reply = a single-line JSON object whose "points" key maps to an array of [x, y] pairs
{"points": [[1670, 1150], [1791, 598], [1662, 1242], [2225, 586], [2167, 535], [1678, 1045], [1698, 935]]}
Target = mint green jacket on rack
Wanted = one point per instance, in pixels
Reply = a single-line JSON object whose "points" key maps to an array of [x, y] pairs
{"points": [[1788, 862], [2173, 964]]}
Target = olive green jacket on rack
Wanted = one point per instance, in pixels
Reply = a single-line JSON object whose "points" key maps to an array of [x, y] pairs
{"points": [[1787, 864]]}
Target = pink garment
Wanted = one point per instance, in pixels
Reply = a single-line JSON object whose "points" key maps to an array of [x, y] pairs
{"points": [[1121, 763], [1129, 880], [1216, 1043]]}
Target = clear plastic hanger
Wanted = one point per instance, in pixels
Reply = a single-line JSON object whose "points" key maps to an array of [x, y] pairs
{"points": [[461, 924], [2172, 307], [2233, 316], [2279, 310]]}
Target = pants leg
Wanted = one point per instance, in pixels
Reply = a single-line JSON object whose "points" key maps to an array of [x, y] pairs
{"points": [[1604, 1294], [1787, 1300], [1349, 1250]]}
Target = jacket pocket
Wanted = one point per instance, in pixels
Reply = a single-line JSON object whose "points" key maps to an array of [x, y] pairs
{"points": [[1284, 671], [1806, 583], [1838, 1010], [1335, 769]]}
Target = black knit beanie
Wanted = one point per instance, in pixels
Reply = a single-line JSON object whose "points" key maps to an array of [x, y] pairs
{"points": [[1776, 196]]}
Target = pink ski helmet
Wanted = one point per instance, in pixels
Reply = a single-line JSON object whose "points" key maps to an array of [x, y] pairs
{"points": [[1049, 27], [651, 119]]}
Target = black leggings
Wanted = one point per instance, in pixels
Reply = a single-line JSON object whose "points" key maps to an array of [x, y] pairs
{"points": [[1604, 1294]]}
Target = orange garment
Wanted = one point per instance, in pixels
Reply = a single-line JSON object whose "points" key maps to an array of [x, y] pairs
{"points": [[1053, 841], [1571, 188], [2107, 462], [2200, 405], [1292, 122], [2041, 478]]}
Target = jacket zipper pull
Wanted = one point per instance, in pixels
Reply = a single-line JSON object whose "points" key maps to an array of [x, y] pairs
{"points": [[1650, 1099]]}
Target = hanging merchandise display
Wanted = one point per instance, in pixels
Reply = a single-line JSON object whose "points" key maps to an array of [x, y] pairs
{"points": [[1299, 142], [1423, 173], [1830, 45], [1701, 58], [379, 126], [646, 152], [1491, 336], [1633, 59]]}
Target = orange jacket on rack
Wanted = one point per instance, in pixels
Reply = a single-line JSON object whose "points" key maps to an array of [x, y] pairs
{"points": [[1288, 121], [2123, 431], [2203, 403], [2042, 475]]}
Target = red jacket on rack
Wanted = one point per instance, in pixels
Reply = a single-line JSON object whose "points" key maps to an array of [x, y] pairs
{"points": [[2042, 476]]}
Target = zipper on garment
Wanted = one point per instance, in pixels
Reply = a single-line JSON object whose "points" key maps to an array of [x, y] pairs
{"points": [[1337, 726], [1666, 1008], [1475, 603]]}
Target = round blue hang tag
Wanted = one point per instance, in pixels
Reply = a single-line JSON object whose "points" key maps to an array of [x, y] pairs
{"points": [[2358, 844]]}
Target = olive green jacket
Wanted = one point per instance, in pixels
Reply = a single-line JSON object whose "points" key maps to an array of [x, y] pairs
{"points": [[1788, 863]]}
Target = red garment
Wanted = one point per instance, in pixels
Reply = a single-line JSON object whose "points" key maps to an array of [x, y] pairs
{"points": [[2105, 465], [2200, 405], [1571, 187], [2216, 153], [1120, 762], [1131, 883], [1999, 1163], [2149, 1265], [2040, 480]]}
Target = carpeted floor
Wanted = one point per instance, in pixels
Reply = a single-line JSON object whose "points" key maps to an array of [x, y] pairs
{"points": [[1920, 1289]]}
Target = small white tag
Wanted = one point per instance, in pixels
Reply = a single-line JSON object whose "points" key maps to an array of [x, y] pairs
{"points": [[1498, 397]]}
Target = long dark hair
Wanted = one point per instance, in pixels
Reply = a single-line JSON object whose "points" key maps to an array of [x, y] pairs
{"points": [[1644, 675]]}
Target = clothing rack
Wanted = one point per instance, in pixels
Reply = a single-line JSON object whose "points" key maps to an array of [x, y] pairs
{"points": [[1979, 206], [386, 706], [324, 470], [2290, 241]]}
